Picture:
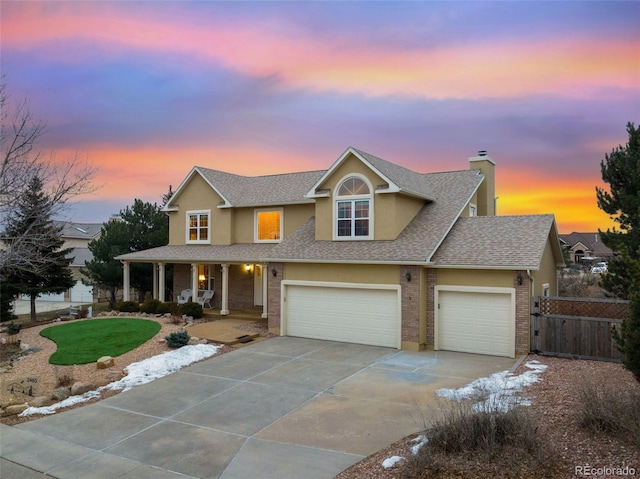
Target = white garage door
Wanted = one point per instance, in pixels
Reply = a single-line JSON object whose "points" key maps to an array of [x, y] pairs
{"points": [[472, 321], [81, 293], [364, 314]]}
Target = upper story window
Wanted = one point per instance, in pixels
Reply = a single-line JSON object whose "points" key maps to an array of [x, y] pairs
{"points": [[353, 209], [268, 226], [198, 227], [473, 210]]}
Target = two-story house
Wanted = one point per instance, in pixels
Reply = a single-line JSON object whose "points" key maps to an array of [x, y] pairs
{"points": [[366, 252]]}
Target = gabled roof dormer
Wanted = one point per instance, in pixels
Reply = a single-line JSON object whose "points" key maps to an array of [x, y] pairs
{"points": [[395, 178]]}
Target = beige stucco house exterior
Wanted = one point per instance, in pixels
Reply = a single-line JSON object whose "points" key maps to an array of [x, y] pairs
{"points": [[366, 252]]}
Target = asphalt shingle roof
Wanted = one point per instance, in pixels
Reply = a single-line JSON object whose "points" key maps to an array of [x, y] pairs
{"points": [[261, 190], [499, 241], [235, 253], [408, 181]]}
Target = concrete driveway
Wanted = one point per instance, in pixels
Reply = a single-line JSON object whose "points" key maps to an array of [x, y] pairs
{"points": [[282, 408]]}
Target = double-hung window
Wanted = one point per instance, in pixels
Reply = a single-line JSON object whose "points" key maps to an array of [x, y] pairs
{"points": [[353, 209], [198, 227]]}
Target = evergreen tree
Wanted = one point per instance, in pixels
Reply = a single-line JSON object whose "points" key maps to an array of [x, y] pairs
{"points": [[103, 271], [621, 170], [139, 227], [148, 228], [31, 218]]}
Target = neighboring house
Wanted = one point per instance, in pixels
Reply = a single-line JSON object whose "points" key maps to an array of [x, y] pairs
{"points": [[585, 247], [77, 236], [365, 252]]}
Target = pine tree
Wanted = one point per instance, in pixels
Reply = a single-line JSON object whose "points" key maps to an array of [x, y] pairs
{"points": [[31, 218], [621, 170], [103, 270]]}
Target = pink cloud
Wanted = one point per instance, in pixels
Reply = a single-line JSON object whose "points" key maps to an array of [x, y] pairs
{"points": [[575, 67]]}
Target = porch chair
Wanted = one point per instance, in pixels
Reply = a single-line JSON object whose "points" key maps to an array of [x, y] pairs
{"points": [[184, 296], [205, 299]]}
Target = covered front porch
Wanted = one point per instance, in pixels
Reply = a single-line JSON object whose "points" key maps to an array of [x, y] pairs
{"points": [[233, 275]]}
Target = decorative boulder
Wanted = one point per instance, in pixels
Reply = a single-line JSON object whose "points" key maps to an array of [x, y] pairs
{"points": [[60, 393], [15, 409], [105, 362], [80, 388], [40, 401]]}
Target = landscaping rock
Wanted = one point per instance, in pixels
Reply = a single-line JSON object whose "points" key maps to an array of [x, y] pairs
{"points": [[15, 409], [24, 346], [80, 388], [113, 376], [60, 393], [40, 401], [105, 362]]}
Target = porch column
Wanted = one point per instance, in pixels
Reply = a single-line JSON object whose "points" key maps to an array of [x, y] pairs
{"points": [[224, 307], [155, 281], [264, 291], [161, 287], [194, 281], [125, 281]]}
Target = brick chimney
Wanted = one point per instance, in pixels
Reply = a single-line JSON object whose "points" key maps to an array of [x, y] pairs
{"points": [[487, 191]]}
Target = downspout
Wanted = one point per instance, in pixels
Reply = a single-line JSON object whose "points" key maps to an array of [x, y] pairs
{"points": [[532, 282]]}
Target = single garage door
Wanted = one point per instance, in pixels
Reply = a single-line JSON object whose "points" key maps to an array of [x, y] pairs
{"points": [[472, 321], [364, 314]]}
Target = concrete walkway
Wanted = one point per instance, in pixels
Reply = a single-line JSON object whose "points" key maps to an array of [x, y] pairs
{"points": [[282, 408]]}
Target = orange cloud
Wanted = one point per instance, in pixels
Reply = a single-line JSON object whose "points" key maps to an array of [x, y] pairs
{"points": [[574, 66], [573, 202]]}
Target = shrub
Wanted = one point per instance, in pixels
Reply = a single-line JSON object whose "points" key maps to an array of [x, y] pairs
{"points": [[492, 437], [128, 307], [192, 309], [605, 408], [150, 306], [172, 308], [13, 328], [178, 339]]}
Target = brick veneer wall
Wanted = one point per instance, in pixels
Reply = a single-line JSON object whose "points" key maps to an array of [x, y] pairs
{"points": [[274, 288], [410, 294], [432, 279], [522, 311]]}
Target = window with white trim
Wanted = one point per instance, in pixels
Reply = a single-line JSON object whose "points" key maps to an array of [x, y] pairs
{"points": [[473, 210], [353, 209], [268, 227], [198, 227]]}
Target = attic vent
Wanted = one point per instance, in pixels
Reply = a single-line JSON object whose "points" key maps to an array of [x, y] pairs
{"points": [[482, 152]]}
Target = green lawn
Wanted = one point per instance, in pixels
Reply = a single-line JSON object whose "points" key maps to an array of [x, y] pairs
{"points": [[87, 341]]}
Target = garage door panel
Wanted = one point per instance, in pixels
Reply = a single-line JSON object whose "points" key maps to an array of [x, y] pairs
{"points": [[348, 314], [480, 322]]}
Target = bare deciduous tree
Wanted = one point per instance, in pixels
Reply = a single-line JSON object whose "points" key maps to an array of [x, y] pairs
{"points": [[20, 162]]}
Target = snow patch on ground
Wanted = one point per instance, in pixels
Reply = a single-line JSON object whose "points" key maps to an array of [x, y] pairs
{"points": [[497, 392], [138, 373], [418, 442], [391, 461]]}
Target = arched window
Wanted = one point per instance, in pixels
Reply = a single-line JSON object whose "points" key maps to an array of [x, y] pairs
{"points": [[353, 209]]}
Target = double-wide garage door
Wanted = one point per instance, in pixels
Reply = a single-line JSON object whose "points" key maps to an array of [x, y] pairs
{"points": [[353, 313], [475, 321]]}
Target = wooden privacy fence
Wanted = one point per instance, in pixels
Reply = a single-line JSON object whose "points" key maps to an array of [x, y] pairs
{"points": [[576, 327]]}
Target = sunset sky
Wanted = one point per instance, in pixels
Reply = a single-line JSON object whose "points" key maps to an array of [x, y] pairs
{"points": [[146, 90]]}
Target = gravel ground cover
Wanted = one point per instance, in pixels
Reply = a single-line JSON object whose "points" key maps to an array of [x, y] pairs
{"points": [[554, 402]]}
